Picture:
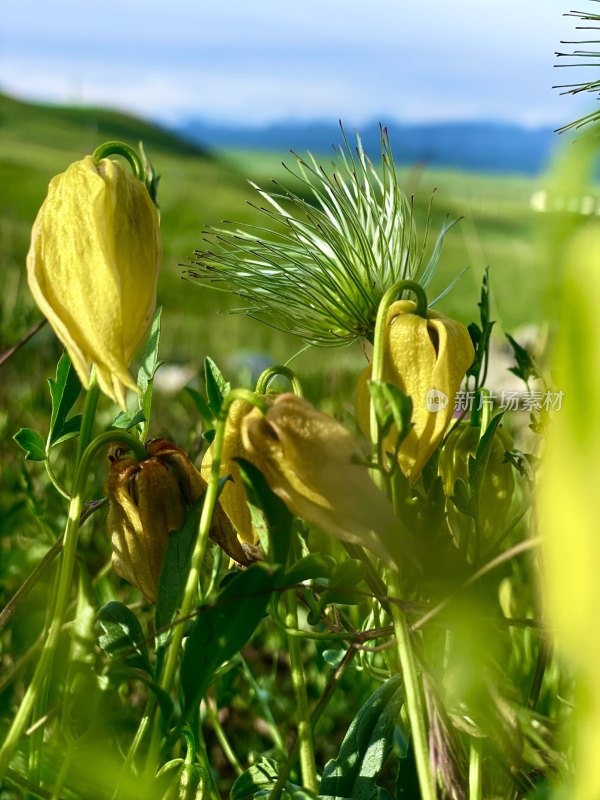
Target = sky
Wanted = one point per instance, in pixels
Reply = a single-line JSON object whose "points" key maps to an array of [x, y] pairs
{"points": [[258, 61]]}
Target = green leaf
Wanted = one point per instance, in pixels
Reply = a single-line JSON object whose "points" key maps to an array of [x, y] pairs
{"points": [[207, 417], [480, 336], [119, 671], [151, 179], [173, 574], [222, 628], [269, 514], [365, 748], [461, 497], [334, 657], [64, 392], [315, 565], [123, 637], [526, 367], [128, 419], [147, 371], [259, 781], [32, 443], [392, 407], [482, 456], [216, 386], [260, 778], [344, 584], [69, 430]]}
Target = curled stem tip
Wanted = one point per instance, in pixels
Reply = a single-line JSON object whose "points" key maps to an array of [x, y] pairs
{"points": [[114, 148], [267, 376]]}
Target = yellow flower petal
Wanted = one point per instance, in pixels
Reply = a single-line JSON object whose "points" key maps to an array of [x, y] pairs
{"points": [[422, 357], [233, 496], [310, 462], [93, 267]]}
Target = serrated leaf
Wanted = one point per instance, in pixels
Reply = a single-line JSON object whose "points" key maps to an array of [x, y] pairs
{"points": [[147, 371], [526, 367], [365, 748], [64, 392], [216, 386], [222, 628], [123, 637], [32, 443], [277, 528]]}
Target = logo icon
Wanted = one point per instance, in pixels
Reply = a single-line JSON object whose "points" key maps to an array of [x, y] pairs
{"points": [[436, 400]]}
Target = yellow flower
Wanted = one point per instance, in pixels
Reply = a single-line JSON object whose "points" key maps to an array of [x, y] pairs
{"points": [[233, 495], [148, 500], [310, 461], [427, 359], [93, 266]]}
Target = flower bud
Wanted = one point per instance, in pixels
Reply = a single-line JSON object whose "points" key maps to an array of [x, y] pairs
{"points": [[233, 495], [148, 500], [93, 266], [181, 779], [498, 482], [311, 462], [427, 359]]}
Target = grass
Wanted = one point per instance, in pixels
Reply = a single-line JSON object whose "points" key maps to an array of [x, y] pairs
{"points": [[199, 189]]}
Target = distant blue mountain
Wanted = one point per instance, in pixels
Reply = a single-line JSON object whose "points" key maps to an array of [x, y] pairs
{"points": [[472, 146]]}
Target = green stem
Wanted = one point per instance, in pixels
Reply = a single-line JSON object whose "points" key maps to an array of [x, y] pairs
{"points": [[114, 148], [264, 706], [213, 715], [44, 666], [190, 595], [54, 480], [272, 372], [308, 767], [414, 702], [132, 752], [332, 684], [475, 771], [87, 421]]}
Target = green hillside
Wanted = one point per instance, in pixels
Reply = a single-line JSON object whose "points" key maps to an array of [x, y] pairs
{"points": [[198, 189]]}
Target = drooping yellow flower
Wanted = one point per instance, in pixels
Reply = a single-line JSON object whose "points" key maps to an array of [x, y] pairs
{"points": [[311, 462], [148, 500], [427, 359], [93, 267], [233, 495]]}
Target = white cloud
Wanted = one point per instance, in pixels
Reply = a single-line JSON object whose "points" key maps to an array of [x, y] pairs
{"points": [[260, 61]]}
